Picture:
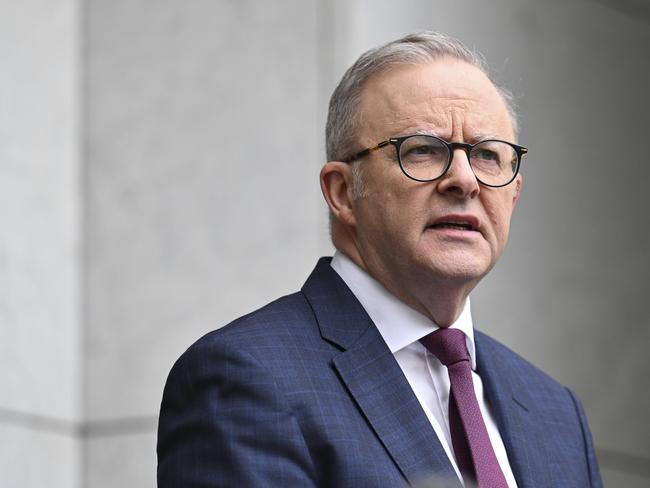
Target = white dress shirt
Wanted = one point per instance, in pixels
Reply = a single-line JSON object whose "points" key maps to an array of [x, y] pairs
{"points": [[402, 327]]}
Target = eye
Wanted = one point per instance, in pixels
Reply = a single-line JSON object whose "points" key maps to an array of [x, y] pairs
{"points": [[490, 154], [424, 150], [485, 154]]}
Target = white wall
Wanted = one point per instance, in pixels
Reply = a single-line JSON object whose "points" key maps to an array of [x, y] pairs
{"points": [[158, 178], [201, 196], [40, 332]]}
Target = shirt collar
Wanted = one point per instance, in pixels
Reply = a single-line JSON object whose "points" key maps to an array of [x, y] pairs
{"points": [[398, 324]]}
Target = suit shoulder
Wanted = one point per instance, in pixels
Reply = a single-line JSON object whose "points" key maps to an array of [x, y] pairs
{"points": [[285, 321], [289, 313]]}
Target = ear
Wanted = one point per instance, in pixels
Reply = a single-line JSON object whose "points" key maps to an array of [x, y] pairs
{"points": [[517, 194], [336, 185]]}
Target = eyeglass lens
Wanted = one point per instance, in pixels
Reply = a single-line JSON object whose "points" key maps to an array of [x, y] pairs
{"points": [[426, 158]]}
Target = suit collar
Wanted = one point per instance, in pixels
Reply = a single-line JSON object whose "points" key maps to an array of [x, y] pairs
{"points": [[341, 318], [373, 378], [515, 413], [399, 324]]}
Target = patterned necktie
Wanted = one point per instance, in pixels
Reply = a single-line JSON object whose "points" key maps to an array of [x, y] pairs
{"points": [[472, 446]]}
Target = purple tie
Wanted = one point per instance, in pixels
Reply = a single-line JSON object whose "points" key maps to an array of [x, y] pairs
{"points": [[472, 446]]}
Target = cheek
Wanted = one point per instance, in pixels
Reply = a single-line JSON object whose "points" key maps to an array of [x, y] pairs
{"points": [[396, 208], [499, 213], [377, 219], [395, 203]]}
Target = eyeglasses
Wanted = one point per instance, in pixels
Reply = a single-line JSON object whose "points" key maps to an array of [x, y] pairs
{"points": [[495, 163]]}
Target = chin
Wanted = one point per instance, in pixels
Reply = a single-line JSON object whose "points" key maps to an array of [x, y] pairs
{"points": [[460, 266], [462, 275]]}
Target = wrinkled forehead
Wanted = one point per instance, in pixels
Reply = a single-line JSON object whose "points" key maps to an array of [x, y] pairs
{"points": [[449, 97]]}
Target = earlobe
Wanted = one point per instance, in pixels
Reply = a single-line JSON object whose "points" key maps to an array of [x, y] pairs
{"points": [[335, 181]]}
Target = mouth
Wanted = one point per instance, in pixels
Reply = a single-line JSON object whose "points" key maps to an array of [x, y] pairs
{"points": [[467, 223]]}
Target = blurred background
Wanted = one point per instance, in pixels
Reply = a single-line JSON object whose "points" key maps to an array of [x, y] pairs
{"points": [[159, 177]]}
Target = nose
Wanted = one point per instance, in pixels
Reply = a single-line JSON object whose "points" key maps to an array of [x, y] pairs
{"points": [[459, 180]]}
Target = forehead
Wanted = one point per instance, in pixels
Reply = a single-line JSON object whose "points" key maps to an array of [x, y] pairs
{"points": [[447, 97]]}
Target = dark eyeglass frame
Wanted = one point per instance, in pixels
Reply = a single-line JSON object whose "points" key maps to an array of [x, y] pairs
{"points": [[451, 147]]}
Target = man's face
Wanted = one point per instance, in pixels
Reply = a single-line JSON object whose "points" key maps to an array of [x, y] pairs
{"points": [[400, 229]]}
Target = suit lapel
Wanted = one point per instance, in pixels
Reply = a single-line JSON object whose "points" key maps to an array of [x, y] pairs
{"points": [[373, 378], [514, 412], [379, 387]]}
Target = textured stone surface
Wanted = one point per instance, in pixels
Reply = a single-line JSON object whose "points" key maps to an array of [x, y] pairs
{"points": [[39, 209], [628, 480], [202, 170], [40, 334], [120, 460], [33, 459]]}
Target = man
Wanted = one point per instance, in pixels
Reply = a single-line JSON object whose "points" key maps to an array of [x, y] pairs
{"points": [[372, 374]]}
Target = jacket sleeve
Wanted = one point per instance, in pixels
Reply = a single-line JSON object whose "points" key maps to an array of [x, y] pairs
{"points": [[592, 463], [225, 422]]}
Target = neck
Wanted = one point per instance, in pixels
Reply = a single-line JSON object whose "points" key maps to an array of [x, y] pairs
{"points": [[440, 300]]}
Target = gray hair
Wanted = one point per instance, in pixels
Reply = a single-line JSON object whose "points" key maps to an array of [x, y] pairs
{"points": [[419, 48]]}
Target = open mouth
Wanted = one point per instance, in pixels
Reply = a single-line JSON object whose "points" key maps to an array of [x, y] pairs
{"points": [[453, 225], [456, 222]]}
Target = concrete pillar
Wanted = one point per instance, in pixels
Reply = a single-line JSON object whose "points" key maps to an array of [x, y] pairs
{"points": [[202, 200], [40, 247]]}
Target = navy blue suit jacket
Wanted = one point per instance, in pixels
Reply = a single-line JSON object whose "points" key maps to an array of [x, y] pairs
{"points": [[305, 392]]}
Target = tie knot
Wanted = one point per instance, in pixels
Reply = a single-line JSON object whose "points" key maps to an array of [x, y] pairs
{"points": [[448, 345]]}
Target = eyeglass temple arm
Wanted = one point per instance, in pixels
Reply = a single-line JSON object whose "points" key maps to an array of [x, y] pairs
{"points": [[365, 152]]}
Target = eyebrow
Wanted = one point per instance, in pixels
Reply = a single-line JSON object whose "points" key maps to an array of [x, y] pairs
{"points": [[476, 137], [425, 132], [479, 136]]}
